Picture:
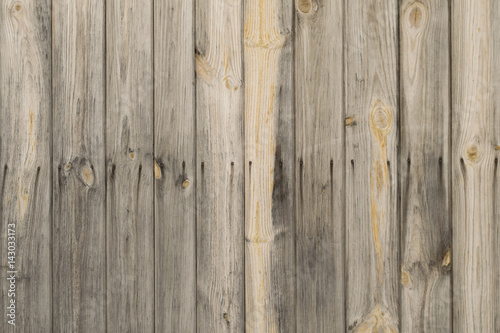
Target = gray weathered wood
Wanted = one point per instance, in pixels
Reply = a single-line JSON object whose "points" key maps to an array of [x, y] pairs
{"points": [[79, 183], [495, 84], [269, 167], [174, 142], [371, 166], [129, 158], [475, 265], [320, 165], [425, 167], [25, 159], [220, 169]]}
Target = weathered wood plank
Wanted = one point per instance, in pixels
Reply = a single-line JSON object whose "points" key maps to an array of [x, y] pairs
{"points": [[269, 167], [371, 166], [425, 167], [174, 141], [495, 77], [320, 165], [220, 169], [25, 159], [130, 165], [473, 164], [79, 184]]}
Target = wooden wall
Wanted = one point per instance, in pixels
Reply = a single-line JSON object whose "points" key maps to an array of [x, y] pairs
{"points": [[250, 165]]}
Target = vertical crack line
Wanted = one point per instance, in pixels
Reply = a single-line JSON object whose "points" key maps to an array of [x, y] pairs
{"points": [[344, 168], [51, 164], [450, 151], [105, 84], [195, 158], [398, 167]]}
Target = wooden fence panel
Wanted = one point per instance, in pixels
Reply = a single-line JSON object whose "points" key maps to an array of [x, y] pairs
{"points": [[25, 159], [174, 169], [425, 169], [220, 169], [130, 165], [79, 172], [372, 223], [475, 267], [269, 167], [320, 165]]}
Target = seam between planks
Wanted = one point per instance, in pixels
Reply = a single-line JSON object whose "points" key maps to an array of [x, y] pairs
{"points": [[344, 168], [450, 152]]}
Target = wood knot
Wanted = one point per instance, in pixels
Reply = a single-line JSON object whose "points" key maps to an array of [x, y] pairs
{"points": [[185, 183], [381, 119], [131, 155], [67, 167], [157, 171], [405, 278], [473, 152], [16, 7], [88, 176], [416, 15], [447, 258], [350, 121], [305, 6]]}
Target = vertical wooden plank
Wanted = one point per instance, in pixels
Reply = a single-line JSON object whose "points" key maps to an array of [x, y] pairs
{"points": [[25, 157], [371, 166], [220, 169], [79, 184], [175, 205], [495, 77], [425, 167], [319, 147], [474, 224], [129, 150], [269, 167]]}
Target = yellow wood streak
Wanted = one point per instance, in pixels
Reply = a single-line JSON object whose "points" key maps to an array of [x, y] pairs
{"points": [[157, 171], [381, 125], [377, 320], [263, 44]]}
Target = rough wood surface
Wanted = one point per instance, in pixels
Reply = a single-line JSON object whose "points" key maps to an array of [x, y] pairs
{"points": [[220, 169], [320, 165], [425, 167], [25, 159], [269, 167], [251, 165], [495, 84], [130, 165], [79, 174], [475, 265], [175, 175], [372, 292]]}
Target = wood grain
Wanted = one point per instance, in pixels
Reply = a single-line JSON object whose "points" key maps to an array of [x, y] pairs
{"points": [[220, 169], [269, 167], [425, 167], [79, 184], [372, 292], [130, 165], [474, 168], [495, 85], [320, 165], [25, 160], [175, 175]]}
